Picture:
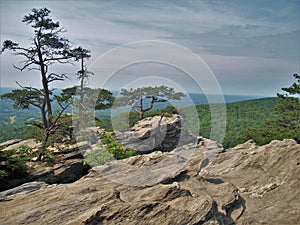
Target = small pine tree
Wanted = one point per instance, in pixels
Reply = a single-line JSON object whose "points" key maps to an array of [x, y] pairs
{"points": [[136, 98]]}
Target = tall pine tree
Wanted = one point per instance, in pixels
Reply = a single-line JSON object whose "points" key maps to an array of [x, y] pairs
{"points": [[47, 48]]}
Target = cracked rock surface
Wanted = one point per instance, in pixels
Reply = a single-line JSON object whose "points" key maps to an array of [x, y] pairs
{"points": [[243, 185]]}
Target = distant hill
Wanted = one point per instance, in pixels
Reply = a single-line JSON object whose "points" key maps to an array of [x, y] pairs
{"points": [[241, 114]]}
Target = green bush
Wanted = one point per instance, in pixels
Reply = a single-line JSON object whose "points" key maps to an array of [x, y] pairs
{"points": [[3, 173], [13, 162], [98, 157], [109, 150], [117, 150], [107, 138], [24, 150], [46, 156]]}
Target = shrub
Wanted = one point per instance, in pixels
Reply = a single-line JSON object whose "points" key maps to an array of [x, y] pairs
{"points": [[109, 150], [117, 150], [98, 157], [106, 138], [13, 162], [3, 173]]}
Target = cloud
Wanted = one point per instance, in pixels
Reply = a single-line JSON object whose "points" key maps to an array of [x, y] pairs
{"points": [[236, 38]]}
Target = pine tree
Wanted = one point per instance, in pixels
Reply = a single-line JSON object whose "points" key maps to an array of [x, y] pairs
{"points": [[47, 48], [286, 124]]}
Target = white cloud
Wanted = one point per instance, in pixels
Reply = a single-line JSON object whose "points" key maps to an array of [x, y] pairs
{"points": [[235, 38]]}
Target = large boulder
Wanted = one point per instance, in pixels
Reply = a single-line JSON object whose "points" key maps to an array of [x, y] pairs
{"points": [[156, 133], [194, 184]]}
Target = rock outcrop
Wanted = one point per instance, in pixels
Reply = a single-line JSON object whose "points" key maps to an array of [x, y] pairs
{"points": [[68, 166], [156, 133], [194, 184], [14, 144]]}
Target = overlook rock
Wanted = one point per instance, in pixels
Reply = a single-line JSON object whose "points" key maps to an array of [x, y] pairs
{"points": [[189, 185], [156, 133]]}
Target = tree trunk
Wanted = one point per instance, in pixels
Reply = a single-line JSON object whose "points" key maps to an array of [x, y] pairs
{"points": [[141, 115], [44, 116], [45, 84], [47, 112], [81, 85], [142, 110], [47, 101]]}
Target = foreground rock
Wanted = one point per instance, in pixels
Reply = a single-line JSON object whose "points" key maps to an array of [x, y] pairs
{"points": [[156, 133], [191, 185], [60, 173], [68, 165]]}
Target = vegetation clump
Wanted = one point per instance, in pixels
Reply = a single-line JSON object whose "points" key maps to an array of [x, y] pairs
{"points": [[13, 162], [109, 149]]}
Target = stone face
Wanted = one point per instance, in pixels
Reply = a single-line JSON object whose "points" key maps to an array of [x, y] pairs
{"points": [[73, 155], [68, 157], [66, 172], [71, 148], [168, 188], [156, 133], [30, 143], [249, 145], [22, 189], [10, 142]]}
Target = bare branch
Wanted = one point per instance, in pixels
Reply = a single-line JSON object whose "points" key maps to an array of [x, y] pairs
{"points": [[37, 125], [59, 115], [38, 69], [151, 104], [57, 59], [23, 67], [55, 77], [30, 88]]}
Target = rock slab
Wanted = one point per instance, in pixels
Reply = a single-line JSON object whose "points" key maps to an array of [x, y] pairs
{"points": [[244, 185], [156, 133]]}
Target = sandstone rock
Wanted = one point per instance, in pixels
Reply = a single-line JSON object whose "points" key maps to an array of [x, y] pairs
{"points": [[73, 155], [67, 172], [156, 133], [165, 188], [23, 189], [10, 142], [249, 145], [30, 143], [54, 149], [75, 147]]}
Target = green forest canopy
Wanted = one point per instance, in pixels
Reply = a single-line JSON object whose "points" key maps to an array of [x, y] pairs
{"points": [[240, 116]]}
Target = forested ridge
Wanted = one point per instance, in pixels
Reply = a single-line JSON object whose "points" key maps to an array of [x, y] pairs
{"points": [[240, 116]]}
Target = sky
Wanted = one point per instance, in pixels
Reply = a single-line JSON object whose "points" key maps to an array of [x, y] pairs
{"points": [[235, 47]]}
